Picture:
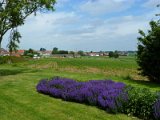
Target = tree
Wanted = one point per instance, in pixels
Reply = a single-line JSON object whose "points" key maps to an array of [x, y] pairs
{"points": [[148, 54], [55, 50], [42, 49], [113, 54], [30, 52], [62, 52], [72, 52], [158, 13], [14, 40], [81, 53], [116, 55], [14, 12]]}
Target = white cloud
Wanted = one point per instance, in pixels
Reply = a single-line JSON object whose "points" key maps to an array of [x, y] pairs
{"points": [[44, 28], [74, 31], [61, 3], [70, 31], [99, 7], [151, 3]]}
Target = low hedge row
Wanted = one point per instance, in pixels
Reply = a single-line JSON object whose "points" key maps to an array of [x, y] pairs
{"points": [[10, 59], [111, 96]]}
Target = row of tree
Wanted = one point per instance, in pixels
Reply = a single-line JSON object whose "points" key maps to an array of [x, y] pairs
{"points": [[56, 51], [30, 52]]}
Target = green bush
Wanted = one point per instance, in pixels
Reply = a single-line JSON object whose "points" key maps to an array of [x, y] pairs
{"points": [[140, 103]]}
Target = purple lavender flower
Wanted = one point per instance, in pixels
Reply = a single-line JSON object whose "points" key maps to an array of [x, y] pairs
{"points": [[104, 93], [156, 108], [42, 87]]}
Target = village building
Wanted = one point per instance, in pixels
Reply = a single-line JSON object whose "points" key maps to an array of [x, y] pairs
{"points": [[18, 53], [45, 54], [4, 52]]}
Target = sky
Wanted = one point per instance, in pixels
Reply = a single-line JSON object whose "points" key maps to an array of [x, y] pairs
{"points": [[88, 25]]}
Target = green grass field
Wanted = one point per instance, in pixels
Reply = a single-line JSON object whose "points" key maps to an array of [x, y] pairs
{"points": [[20, 101]]}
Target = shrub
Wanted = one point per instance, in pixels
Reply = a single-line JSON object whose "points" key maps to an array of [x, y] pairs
{"points": [[140, 102], [104, 93]]}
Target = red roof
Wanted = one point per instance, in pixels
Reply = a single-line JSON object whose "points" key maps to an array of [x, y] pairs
{"points": [[20, 51]]}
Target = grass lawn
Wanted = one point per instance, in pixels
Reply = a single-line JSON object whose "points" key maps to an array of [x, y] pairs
{"points": [[20, 101]]}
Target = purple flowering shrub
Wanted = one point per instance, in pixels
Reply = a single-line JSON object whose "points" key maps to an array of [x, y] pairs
{"points": [[103, 93], [111, 96], [156, 108]]}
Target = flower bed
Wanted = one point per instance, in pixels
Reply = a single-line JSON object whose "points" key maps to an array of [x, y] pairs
{"points": [[111, 96]]}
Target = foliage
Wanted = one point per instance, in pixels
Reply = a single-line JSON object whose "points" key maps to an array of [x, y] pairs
{"points": [[14, 12], [113, 54], [56, 51], [30, 53], [10, 59], [140, 103], [116, 55], [72, 52], [111, 96], [42, 49], [81, 53], [62, 52], [14, 40], [149, 51]]}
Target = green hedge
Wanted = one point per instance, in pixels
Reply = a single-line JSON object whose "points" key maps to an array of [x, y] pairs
{"points": [[10, 59]]}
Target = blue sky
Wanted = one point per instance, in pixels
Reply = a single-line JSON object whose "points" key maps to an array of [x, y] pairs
{"points": [[89, 25]]}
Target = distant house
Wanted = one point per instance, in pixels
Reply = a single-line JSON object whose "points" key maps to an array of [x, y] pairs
{"points": [[18, 53], [45, 53], [76, 56], [105, 54], [63, 55], [94, 54], [4, 52], [122, 53], [36, 56]]}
